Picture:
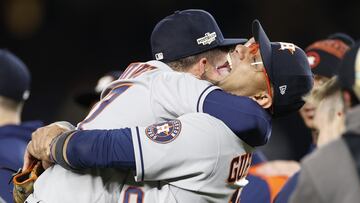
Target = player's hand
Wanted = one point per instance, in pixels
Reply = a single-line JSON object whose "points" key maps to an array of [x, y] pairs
{"points": [[39, 146], [28, 159]]}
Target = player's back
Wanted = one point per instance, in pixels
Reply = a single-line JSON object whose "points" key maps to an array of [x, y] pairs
{"points": [[205, 162], [146, 93]]}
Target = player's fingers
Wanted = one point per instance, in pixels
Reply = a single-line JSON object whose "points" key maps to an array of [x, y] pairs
{"points": [[33, 151], [28, 158], [39, 143], [36, 138], [66, 126]]}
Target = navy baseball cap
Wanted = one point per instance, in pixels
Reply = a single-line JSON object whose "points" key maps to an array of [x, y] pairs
{"points": [[349, 76], [88, 97], [325, 55], [288, 70], [187, 33], [14, 77]]}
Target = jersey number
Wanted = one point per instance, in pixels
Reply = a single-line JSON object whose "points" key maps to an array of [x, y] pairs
{"points": [[239, 169], [115, 92]]}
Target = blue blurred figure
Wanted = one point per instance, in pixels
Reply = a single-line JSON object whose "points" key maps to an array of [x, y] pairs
{"points": [[14, 134]]}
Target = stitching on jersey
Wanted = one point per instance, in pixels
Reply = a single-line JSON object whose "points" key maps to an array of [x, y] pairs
{"points": [[201, 95], [129, 69], [141, 154], [103, 103], [218, 141]]}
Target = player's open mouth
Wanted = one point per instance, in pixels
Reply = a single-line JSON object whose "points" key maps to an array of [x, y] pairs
{"points": [[224, 69]]}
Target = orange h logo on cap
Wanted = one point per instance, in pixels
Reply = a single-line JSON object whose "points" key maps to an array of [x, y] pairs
{"points": [[289, 46]]}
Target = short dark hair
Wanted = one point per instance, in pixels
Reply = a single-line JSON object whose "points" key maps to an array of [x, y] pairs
{"points": [[183, 64]]}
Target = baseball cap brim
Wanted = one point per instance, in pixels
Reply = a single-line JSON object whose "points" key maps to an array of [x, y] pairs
{"points": [[233, 41], [265, 45], [288, 69]]}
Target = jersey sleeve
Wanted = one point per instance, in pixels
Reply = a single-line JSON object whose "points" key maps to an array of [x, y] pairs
{"points": [[177, 93], [246, 118], [184, 147]]}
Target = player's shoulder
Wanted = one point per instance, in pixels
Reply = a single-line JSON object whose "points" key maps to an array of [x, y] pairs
{"points": [[198, 116], [202, 120], [326, 152], [179, 78], [22, 131], [166, 73], [315, 162]]}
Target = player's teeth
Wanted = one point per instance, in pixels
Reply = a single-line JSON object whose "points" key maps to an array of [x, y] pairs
{"points": [[229, 60]]}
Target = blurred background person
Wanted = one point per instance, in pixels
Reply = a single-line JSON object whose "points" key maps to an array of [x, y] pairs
{"points": [[332, 173], [325, 57], [14, 134], [88, 98]]}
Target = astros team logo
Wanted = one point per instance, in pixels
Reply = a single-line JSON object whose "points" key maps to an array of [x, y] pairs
{"points": [[164, 132], [313, 58], [287, 46]]}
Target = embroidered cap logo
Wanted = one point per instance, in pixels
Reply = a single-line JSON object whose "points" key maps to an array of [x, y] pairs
{"points": [[207, 39], [282, 89], [159, 56], [287, 46]]}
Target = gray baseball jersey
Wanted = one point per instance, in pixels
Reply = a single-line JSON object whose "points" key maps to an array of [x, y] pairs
{"points": [[196, 157], [147, 93]]}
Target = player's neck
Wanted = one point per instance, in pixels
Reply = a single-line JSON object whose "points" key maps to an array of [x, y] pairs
{"points": [[9, 117]]}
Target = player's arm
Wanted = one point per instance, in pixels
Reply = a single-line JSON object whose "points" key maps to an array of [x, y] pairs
{"points": [[83, 149], [111, 148], [242, 115], [114, 148], [178, 94], [148, 155]]}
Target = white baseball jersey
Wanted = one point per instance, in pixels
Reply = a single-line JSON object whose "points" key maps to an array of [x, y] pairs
{"points": [[197, 157], [146, 93]]}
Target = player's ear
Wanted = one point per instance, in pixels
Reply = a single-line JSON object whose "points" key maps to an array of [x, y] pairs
{"points": [[347, 99], [199, 68], [263, 99]]}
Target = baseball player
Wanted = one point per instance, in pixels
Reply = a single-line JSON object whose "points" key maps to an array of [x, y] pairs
{"points": [[14, 134], [144, 148], [159, 80]]}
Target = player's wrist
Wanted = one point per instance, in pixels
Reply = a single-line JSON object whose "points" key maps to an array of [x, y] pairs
{"points": [[52, 149], [58, 149]]}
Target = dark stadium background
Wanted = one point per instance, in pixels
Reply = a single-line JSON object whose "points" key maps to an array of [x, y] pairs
{"points": [[69, 44]]}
